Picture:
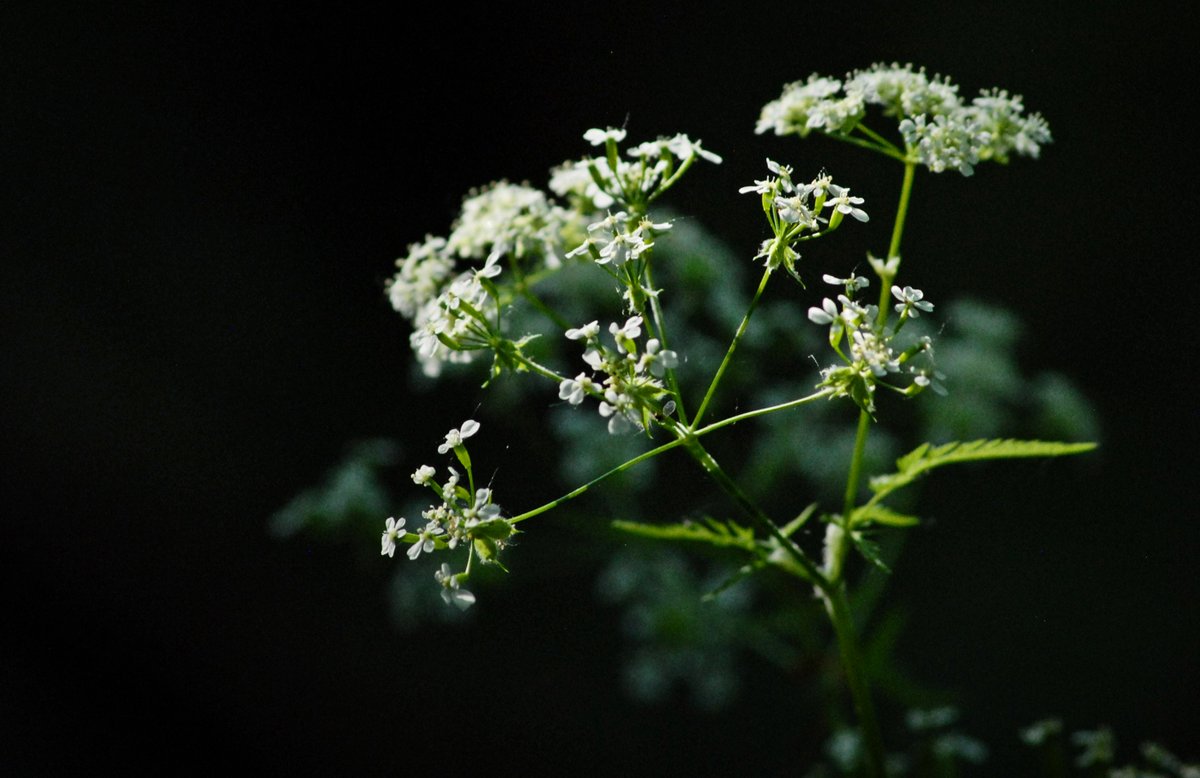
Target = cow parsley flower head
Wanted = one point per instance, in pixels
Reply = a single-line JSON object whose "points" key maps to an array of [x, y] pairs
{"points": [[808, 105], [940, 130], [420, 277], [948, 142]]}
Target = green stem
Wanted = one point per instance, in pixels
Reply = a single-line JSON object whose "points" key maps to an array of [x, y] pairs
{"points": [[860, 445], [810, 570], [910, 169], [712, 387], [535, 367], [661, 327], [882, 141], [664, 448], [884, 150], [761, 411], [838, 607], [581, 489]]}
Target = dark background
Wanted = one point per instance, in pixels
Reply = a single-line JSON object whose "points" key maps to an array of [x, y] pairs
{"points": [[201, 206]]}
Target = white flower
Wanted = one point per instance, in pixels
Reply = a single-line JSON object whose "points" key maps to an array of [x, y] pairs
{"points": [[623, 247], [884, 268], [617, 407], [455, 438], [683, 147], [911, 300], [490, 269], [451, 592], [423, 475], [425, 540], [483, 509], [949, 141], [648, 226], [598, 137], [631, 330], [613, 222], [585, 333], [395, 528], [766, 186], [852, 284], [582, 248], [874, 352], [574, 390], [844, 203], [594, 359], [1001, 118], [794, 210], [420, 277], [658, 359], [826, 314], [807, 105]]}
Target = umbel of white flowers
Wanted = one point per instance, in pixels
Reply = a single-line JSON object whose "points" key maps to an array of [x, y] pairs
{"points": [[461, 515], [942, 130]]}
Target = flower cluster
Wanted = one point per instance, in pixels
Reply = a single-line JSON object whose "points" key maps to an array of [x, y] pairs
{"points": [[454, 312], [463, 515], [873, 357], [510, 220], [618, 238], [632, 390], [604, 181], [940, 129], [794, 212]]}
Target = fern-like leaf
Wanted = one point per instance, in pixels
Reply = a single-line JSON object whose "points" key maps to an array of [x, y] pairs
{"points": [[728, 534], [927, 457]]}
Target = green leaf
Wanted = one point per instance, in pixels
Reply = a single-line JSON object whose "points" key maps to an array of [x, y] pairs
{"points": [[881, 514], [869, 549], [795, 524], [743, 572], [716, 533], [927, 457]]}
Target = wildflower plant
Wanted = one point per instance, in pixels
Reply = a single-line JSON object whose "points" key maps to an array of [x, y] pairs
{"points": [[467, 296]]}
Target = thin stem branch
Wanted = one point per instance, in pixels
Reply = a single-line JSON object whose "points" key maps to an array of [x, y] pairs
{"points": [[761, 411], [810, 570], [712, 387], [581, 489], [910, 169], [661, 325], [860, 445]]}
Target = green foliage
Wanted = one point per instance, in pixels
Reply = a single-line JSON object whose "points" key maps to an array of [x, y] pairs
{"points": [[927, 457], [708, 530]]}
